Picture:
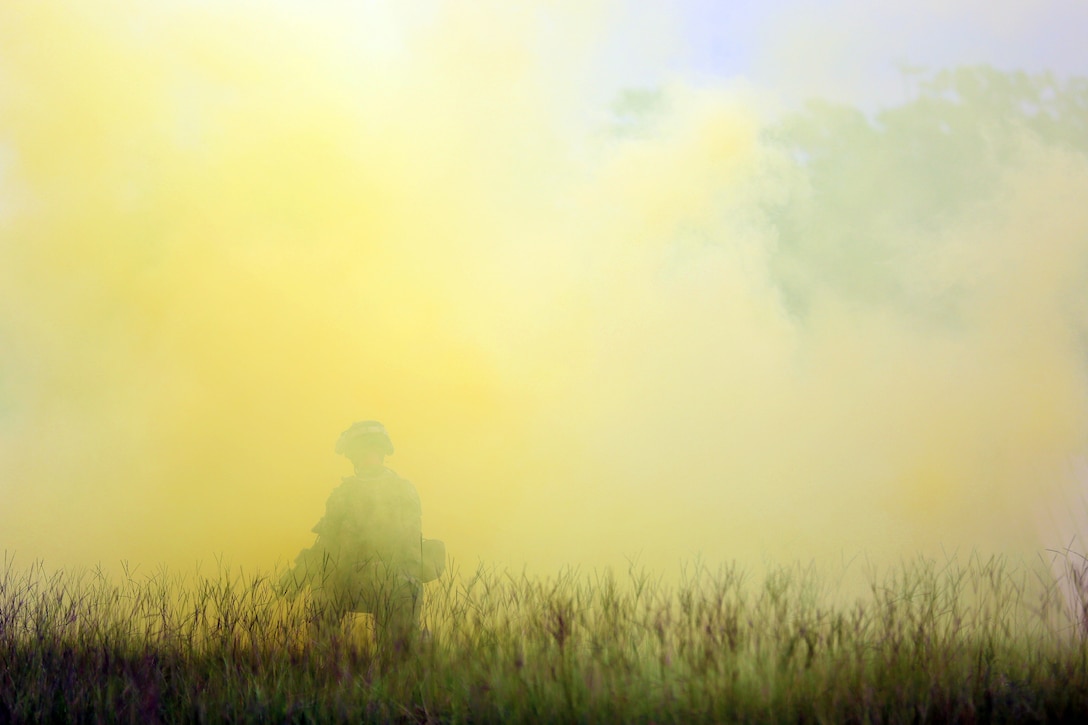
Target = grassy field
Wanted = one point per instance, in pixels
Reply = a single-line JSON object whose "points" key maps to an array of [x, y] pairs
{"points": [[927, 642]]}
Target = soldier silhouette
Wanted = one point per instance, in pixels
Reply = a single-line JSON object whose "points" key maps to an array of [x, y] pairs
{"points": [[370, 555]]}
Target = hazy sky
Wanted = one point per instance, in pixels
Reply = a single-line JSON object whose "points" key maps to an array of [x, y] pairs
{"points": [[227, 230], [849, 50]]}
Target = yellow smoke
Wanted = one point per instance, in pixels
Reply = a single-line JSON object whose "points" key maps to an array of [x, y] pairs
{"points": [[226, 234]]}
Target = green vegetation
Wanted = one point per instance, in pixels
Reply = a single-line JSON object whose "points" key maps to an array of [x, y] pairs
{"points": [[882, 190], [978, 641]]}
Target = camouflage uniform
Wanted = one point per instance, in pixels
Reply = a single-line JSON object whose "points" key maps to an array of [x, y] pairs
{"points": [[370, 555], [367, 557]]}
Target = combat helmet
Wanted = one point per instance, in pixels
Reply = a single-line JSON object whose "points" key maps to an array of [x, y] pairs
{"points": [[364, 434]]}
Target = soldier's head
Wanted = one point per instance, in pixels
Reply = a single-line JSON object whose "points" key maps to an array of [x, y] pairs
{"points": [[366, 442]]}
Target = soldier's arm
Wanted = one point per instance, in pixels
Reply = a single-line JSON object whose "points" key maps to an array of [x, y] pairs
{"points": [[434, 559], [329, 525], [305, 569], [412, 513]]}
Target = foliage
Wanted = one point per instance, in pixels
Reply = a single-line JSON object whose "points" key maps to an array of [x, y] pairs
{"points": [[984, 640], [880, 188]]}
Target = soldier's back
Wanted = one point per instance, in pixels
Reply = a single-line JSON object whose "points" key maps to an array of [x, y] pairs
{"points": [[374, 515]]}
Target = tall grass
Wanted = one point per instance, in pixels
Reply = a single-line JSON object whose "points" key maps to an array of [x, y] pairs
{"points": [[979, 640]]}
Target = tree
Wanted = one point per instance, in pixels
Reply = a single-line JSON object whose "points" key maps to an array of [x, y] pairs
{"points": [[879, 187]]}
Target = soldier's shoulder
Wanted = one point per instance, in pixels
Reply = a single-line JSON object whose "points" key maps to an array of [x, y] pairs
{"points": [[386, 479], [376, 473], [400, 478], [348, 489], [390, 473], [347, 483], [364, 481], [404, 487]]}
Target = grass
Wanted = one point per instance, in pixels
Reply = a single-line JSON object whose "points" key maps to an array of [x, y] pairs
{"points": [[979, 641]]}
